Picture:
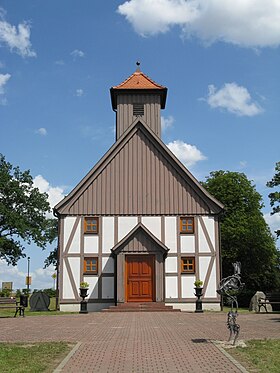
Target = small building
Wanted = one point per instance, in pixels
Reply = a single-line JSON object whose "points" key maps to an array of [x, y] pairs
{"points": [[138, 227]]}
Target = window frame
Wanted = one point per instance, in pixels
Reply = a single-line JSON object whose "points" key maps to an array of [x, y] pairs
{"points": [[186, 225], [86, 218], [90, 272], [187, 271]]}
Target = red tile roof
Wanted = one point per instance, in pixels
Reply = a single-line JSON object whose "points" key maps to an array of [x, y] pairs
{"points": [[138, 80]]}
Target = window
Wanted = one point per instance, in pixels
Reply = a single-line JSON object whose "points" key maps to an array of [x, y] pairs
{"points": [[91, 225], [138, 110], [187, 225], [91, 266], [188, 265]]}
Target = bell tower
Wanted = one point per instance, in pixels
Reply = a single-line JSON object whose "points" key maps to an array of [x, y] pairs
{"points": [[138, 97]]}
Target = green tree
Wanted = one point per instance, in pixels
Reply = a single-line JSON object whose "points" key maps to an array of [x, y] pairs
{"points": [[22, 213], [245, 236], [275, 196]]}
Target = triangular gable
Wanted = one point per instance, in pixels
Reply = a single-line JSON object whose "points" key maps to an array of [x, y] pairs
{"points": [[139, 175], [139, 239]]}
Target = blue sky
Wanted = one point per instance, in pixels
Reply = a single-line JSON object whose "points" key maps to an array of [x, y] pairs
{"points": [[58, 59]]}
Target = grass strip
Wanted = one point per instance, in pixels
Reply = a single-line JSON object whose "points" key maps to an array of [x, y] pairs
{"points": [[259, 355], [32, 357]]}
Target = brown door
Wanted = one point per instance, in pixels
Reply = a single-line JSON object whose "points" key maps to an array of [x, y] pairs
{"points": [[139, 276]]}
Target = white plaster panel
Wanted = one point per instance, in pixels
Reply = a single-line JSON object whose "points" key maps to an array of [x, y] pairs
{"points": [[107, 287], [75, 245], [187, 286], [108, 265], [108, 228], [75, 268], [187, 244], [68, 226], [153, 223], [91, 243], [125, 225], [67, 288], [93, 286], [212, 284], [209, 222], [171, 264], [202, 243], [171, 233], [69, 307], [171, 287], [203, 267]]}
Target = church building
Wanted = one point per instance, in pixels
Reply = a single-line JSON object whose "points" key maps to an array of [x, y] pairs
{"points": [[138, 227]]}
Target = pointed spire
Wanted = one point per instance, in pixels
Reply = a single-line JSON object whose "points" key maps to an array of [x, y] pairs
{"points": [[138, 66]]}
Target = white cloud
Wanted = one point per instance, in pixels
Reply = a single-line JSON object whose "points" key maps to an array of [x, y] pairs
{"points": [[233, 98], [247, 23], [79, 92], [188, 154], [41, 131], [273, 221], [167, 122], [77, 53], [59, 62], [17, 38], [3, 80], [55, 194], [2, 65], [41, 278]]}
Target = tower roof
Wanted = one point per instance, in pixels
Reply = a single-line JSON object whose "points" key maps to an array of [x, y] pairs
{"points": [[138, 82]]}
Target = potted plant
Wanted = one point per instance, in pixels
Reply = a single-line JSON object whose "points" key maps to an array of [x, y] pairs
{"points": [[84, 289], [198, 293], [83, 293]]}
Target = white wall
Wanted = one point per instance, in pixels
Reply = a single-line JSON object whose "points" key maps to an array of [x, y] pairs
{"points": [[108, 229], [107, 287], [93, 286], [171, 233], [108, 265], [171, 287], [125, 225], [171, 264], [153, 223], [187, 286], [91, 244], [187, 244]]}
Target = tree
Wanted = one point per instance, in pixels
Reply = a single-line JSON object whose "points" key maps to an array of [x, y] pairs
{"points": [[275, 196], [22, 213], [245, 236]]}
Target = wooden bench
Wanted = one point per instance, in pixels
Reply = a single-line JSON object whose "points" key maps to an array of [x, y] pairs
{"points": [[270, 298], [7, 303]]}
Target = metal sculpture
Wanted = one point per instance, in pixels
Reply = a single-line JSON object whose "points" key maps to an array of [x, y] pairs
{"points": [[230, 287]]}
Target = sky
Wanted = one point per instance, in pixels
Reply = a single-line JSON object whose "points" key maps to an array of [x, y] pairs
{"points": [[58, 59]]}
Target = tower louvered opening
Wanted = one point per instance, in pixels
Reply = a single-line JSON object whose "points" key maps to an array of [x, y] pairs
{"points": [[138, 110]]}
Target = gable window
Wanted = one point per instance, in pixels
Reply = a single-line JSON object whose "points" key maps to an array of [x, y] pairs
{"points": [[138, 110], [91, 225], [91, 266], [186, 225], [188, 265]]}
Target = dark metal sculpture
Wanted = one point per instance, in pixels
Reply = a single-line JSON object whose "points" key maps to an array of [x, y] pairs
{"points": [[230, 287]]}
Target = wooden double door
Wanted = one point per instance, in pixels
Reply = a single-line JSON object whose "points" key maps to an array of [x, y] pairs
{"points": [[140, 278]]}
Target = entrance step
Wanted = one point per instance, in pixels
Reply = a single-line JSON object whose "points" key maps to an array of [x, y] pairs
{"points": [[141, 307]]}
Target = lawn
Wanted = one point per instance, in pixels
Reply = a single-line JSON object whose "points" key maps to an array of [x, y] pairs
{"points": [[259, 356], [32, 357], [27, 312]]}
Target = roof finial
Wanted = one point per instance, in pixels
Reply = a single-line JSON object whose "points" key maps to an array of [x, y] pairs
{"points": [[138, 66]]}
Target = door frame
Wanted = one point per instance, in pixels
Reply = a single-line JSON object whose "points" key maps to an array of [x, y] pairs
{"points": [[152, 256]]}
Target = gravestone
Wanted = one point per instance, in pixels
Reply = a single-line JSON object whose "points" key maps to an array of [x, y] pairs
{"points": [[39, 302]]}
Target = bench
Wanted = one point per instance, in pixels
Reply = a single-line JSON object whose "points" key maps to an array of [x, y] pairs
{"points": [[270, 298], [7, 303]]}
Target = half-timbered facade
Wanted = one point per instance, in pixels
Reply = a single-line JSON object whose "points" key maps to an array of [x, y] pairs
{"points": [[139, 227]]}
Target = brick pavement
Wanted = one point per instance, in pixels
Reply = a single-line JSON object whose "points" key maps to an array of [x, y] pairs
{"points": [[141, 342]]}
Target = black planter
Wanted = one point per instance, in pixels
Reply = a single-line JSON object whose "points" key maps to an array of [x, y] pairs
{"points": [[198, 303], [83, 303]]}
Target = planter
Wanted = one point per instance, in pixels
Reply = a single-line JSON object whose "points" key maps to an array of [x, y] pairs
{"points": [[83, 303], [198, 303]]}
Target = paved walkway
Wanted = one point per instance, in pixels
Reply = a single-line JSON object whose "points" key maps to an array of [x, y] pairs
{"points": [[141, 342]]}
